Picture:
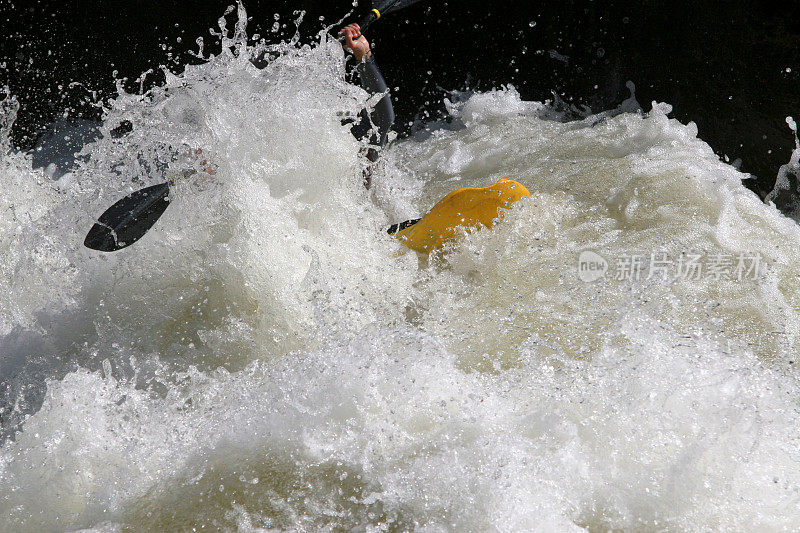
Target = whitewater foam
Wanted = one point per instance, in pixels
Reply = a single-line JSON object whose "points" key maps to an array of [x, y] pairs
{"points": [[268, 357]]}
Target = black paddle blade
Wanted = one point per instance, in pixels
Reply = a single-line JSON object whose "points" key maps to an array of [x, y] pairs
{"points": [[128, 220], [394, 228]]}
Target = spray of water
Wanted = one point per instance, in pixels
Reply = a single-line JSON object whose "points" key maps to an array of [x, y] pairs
{"points": [[268, 357]]}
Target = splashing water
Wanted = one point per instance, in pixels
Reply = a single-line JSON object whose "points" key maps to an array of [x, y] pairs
{"points": [[784, 193], [268, 357]]}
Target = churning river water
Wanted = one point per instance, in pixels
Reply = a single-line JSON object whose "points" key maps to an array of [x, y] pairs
{"points": [[621, 352]]}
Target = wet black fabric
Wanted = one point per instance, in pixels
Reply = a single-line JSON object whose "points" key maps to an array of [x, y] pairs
{"points": [[374, 125]]}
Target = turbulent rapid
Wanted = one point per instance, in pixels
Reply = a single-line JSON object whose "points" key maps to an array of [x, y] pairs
{"points": [[620, 352]]}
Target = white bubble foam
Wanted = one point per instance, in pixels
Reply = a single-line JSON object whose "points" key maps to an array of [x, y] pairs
{"points": [[268, 357]]}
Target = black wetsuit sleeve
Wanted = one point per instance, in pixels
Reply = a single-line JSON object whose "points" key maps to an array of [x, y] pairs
{"points": [[382, 117]]}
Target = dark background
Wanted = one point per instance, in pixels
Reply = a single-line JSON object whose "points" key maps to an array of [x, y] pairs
{"points": [[722, 64]]}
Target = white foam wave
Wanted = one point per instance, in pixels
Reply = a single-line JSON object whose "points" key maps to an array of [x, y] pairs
{"points": [[267, 357]]}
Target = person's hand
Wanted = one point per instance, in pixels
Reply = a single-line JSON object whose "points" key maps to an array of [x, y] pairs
{"points": [[200, 163], [192, 162], [355, 42]]}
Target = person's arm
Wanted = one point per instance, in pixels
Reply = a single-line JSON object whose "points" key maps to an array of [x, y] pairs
{"points": [[372, 81]]}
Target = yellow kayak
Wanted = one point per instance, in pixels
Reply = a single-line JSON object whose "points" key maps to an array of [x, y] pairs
{"points": [[467, 207]]}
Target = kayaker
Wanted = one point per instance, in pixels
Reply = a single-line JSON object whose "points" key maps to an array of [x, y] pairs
{"points": [[465, 207]]}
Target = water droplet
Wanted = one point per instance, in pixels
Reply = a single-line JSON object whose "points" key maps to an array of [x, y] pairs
{"points": [[532, 23]]}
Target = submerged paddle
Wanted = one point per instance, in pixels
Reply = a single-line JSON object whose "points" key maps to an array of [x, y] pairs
{"points": [[128, 220]]}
